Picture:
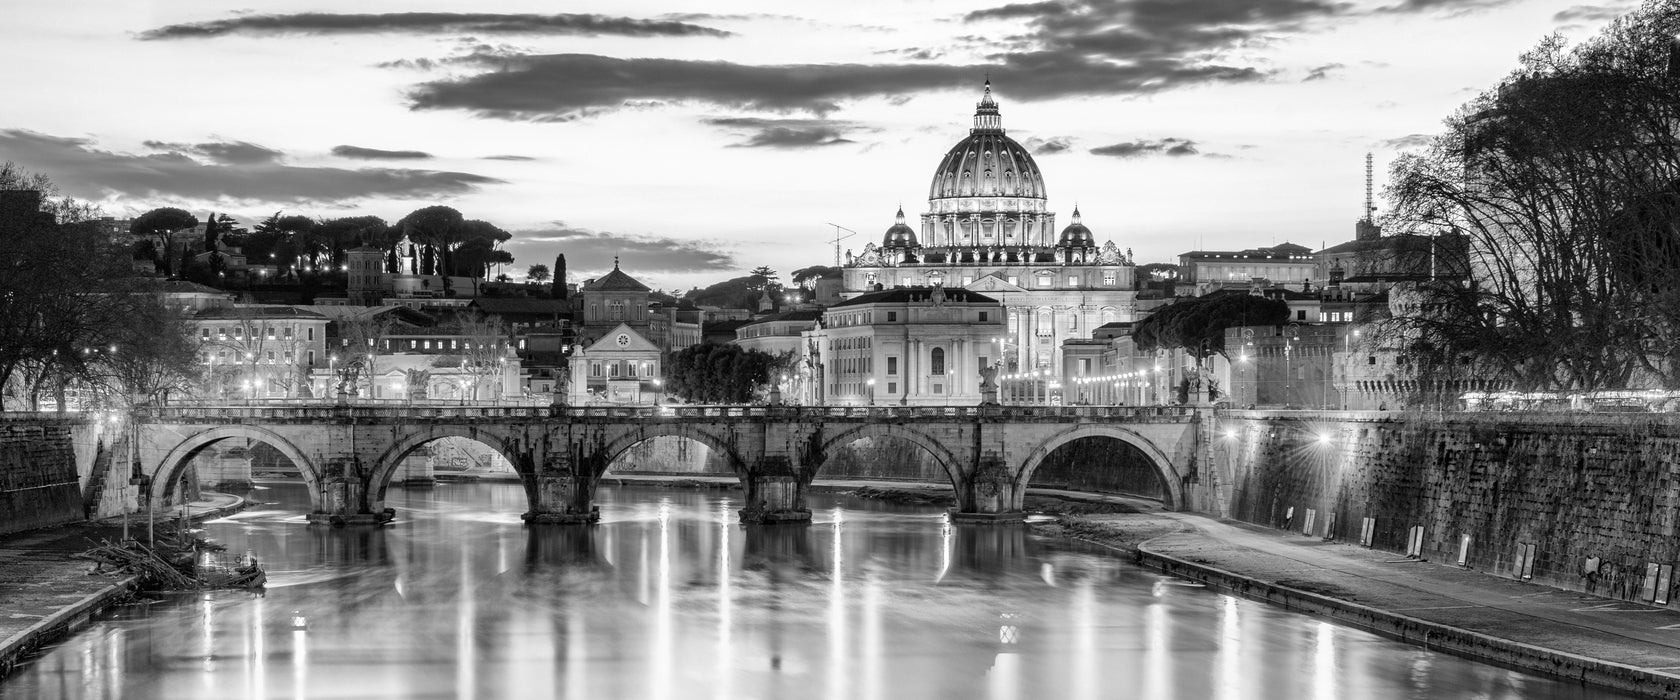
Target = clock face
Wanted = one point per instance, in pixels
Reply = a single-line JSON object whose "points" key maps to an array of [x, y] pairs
{"points": [[623, 339]]}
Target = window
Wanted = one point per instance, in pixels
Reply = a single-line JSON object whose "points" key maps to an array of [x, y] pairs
{"points": [[1073, 280], [892, 387], [1109, 277], [892, 316], [629, 369], [269, 331], [892, 365], [612, 369], [985, 361], [594, 369], [1044, 280], [1371, 359], [271, 356], [1015, 280], [1301, 315], [936, 361], [204, 334], [939, 388], [982, 317], [238, 332], [311, 358], [288, 333]]}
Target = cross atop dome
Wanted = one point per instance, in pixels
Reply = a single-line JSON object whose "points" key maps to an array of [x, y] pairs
{"points": [[986, 117]]}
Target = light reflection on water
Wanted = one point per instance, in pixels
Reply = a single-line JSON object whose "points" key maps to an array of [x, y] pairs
{"points": [[670, 598]]}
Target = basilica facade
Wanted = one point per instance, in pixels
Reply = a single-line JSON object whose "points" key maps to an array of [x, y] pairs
{"points": [[988, 228]]}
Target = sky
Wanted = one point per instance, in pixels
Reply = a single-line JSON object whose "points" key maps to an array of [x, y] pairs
{"points": [[697, 145]]}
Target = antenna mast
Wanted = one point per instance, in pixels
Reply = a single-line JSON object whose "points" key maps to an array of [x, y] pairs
{"points": [[837, 238], [1370, 208]]}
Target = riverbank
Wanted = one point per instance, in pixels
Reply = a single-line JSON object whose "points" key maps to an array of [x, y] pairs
{"points": [[1595, 641], [46, 594]]}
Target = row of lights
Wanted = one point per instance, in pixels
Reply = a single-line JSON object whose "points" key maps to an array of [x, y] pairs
{"points": [[1321, 438]]}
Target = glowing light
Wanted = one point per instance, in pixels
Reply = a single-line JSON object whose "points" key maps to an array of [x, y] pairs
{"points": [[1324, 439], [1230, 434]]}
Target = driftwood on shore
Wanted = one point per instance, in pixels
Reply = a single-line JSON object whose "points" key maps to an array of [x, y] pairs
{"points": [[173, 566]]}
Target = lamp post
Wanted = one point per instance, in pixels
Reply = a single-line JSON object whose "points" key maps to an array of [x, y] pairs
{"points": [[871, 384]]}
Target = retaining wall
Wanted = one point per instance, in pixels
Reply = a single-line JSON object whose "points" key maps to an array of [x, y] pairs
{"points": [[1579, 501]]}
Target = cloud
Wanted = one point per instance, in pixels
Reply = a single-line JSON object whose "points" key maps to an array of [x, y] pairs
{"points": [[226, 153], [508, 157], [358, 152], [430, 23], [86, 171], [1406, 142], [785, 133], [1145, 147], [567, 86], [1455, 7], [586, 249], [1049, 146], [1590, 13], [1322, 72]]}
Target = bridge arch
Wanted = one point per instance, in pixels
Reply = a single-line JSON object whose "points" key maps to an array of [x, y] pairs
{"points": [[622, 443], [940, 452], [168, 472], [388, 461], [1171, 481]]}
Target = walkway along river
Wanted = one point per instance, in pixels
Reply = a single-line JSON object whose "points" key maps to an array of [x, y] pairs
{"points": [[670, 597]]}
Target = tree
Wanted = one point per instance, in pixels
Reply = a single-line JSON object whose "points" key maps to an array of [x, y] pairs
{"points": [[560, 290], [65, 209], [338, 236], [718, 373], [162, 224], [537, 273], [813, 273], [1561, 181], [1197, 324]]}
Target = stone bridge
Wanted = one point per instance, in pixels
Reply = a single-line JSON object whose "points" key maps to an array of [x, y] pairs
{"points": [[349, 454]]}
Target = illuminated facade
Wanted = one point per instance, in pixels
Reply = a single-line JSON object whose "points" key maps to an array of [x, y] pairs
{"points": [[988, 228]]}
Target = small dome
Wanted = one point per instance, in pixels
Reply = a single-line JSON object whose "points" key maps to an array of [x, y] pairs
{"points": [[900, 235], [1076, 235]]}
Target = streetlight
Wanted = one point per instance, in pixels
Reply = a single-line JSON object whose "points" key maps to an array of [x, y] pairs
{"points": [[871, 383]]}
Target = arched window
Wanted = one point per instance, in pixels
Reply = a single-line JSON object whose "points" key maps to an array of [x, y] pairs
{"points": [[936, 361]]}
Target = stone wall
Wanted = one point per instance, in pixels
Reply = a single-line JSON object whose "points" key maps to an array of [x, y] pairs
{"points": [[1581, 501], [40, 484]]}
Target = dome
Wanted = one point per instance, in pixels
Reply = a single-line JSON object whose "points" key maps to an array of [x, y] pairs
{"points": [[987, 163], [1076, 235], [900, 235]]}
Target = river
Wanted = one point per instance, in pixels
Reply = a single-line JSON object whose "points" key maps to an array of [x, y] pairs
{"points": [[669, 597]]}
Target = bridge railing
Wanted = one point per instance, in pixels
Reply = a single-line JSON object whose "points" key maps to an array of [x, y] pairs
{"points": [[316, 411]]}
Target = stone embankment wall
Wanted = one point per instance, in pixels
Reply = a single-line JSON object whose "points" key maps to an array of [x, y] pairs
{"points": [[47, 473], [1580, 501]]}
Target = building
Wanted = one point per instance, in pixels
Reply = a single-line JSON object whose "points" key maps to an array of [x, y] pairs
{"points": [[1285, 263], [616, 299], [903, 346], [988, 228], [778, 333], [260, 351], [620, 367]]}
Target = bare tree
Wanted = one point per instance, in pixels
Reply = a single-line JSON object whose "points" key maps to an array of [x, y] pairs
{"points": [[1562, 183]]}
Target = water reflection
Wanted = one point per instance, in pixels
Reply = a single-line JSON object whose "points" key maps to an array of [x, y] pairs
{"points": [[670, 598]]}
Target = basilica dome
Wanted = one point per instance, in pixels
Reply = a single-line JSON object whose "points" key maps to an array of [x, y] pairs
{"points": [[1076, 235], [987, 163], [900, 235]]}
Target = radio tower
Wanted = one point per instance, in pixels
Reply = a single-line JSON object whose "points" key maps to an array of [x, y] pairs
{"points": [[1367, 229], [1369, 207]]}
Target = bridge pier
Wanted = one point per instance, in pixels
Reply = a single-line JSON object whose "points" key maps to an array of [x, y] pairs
{"points": [[774, 494], [989, 495], [562, 499], [344, 497]]}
